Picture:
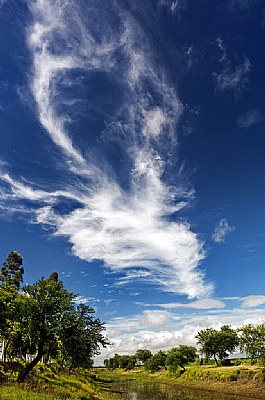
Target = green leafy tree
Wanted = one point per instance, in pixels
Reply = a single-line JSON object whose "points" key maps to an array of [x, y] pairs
{"points": [[217, 344], [252, 340], [156, 362], [116, 361], [110, 363], [81, 336], [52, 325], [142, 355], [127, 362], [180, 356], [11, 276], [43, 308], [190, 352], [106, 363], [176, 359]]}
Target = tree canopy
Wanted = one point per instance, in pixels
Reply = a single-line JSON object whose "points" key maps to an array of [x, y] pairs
{"points": [[252, 340], [217, 344], [43, 320]]}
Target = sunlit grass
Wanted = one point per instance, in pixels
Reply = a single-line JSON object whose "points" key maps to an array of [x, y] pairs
{"points": [[46, 383], [17, 393]]}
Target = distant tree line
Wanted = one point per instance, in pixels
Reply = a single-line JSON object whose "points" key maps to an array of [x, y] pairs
{"points": [[42, 321], [172, 359], [213, 344]]}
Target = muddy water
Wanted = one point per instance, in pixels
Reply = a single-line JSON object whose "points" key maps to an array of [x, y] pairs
{"points": [[154, 391]]}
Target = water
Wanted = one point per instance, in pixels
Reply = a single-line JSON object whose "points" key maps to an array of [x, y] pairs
{"points": [[154, 391]]}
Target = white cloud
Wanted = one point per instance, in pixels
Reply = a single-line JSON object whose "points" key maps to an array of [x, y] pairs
{"points": [[231, 77], [205, 304], [82, 300], [253, 301], [154, 121], [221, 230], [131, 333], [135, 231], [251, 117], [173, 5]]}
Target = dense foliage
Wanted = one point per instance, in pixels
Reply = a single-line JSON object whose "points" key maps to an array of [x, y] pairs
{"points": [[252, 340], [43, 322], [217, 344], [172, 359]]}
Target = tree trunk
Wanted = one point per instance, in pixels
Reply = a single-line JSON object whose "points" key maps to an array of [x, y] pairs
{"points": [[6, 344], [215, 359], [25, 371], [183, 368]]}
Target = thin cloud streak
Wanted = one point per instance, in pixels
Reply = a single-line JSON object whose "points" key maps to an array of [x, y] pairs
{"points": [[203, 304]]}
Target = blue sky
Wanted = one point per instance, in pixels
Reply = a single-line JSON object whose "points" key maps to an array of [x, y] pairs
{"points": [[132, 159]]}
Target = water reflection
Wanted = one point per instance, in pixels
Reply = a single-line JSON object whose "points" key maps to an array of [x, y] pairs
{"points": [[154, 391]]}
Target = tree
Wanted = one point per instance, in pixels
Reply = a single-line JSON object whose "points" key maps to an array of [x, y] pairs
{"points": [[116, 361], [142, 355], [176, 359], [127, 362], [180, 356], [106, 363], [190, 352], [81, 336], [44, 305], [110, 363], [156, 362], [11, 276], [252, 340], [51, 324], [217, 344]]}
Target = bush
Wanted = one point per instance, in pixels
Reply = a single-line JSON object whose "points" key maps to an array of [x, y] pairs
{"points": [[237, 361]]}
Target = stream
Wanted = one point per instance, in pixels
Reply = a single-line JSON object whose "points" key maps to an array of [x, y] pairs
{"points": [[155, 391]]}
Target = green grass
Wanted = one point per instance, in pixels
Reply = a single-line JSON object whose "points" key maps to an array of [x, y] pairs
{"points": [[17, 393], [45, 383]]}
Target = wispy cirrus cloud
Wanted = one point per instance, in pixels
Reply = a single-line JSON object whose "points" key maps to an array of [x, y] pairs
{"points": [[251, 117], [221, 230], [173, 5], [134, 228], [232, 76]]}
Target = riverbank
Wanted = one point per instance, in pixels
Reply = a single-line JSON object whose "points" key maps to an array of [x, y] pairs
{"points": [[244, 381], [46, 383]]}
